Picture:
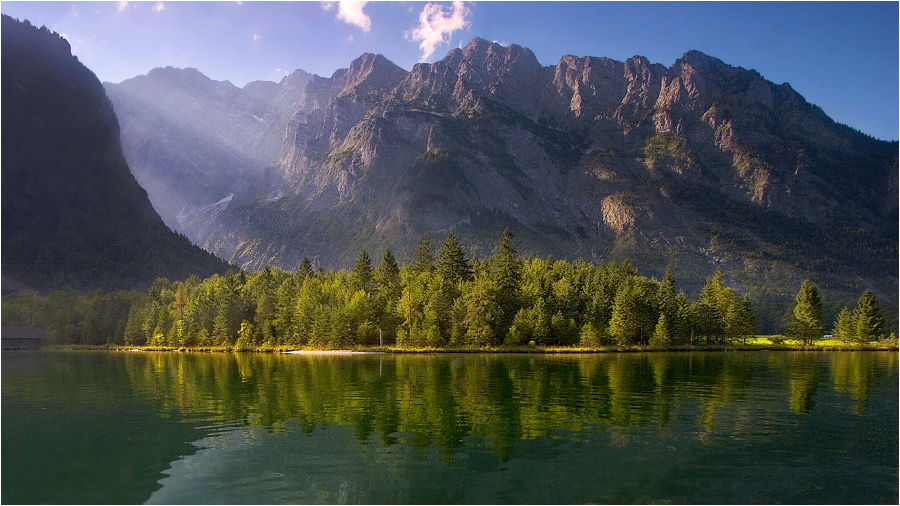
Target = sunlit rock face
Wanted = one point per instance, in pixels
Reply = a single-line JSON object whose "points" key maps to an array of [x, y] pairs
{"points": [[698, 165]]}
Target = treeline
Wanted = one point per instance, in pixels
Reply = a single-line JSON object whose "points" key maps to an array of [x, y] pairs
{"points": [[440, 299]]}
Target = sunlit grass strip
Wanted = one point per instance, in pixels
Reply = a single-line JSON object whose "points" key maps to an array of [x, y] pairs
{"points": [[757, 343]]}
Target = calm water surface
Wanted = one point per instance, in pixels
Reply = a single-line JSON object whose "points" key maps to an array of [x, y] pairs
{"points": [[712, 428]]}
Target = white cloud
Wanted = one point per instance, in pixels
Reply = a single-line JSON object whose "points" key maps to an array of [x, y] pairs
{"points": [[159, 7], [255, 36], [436, 26], [327, 6], [122, 6], [352, 13]]}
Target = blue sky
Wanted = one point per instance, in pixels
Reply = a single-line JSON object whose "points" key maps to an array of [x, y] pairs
{"points": [[841, 56]]}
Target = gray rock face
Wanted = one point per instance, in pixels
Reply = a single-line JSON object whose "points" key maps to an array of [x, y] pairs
{"points": [[699, 165]]}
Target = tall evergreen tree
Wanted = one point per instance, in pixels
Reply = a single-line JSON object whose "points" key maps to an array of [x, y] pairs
{"points": [[506, 274], [661, 337], [624, 324], [845, 326], [806, 322], [387, 275], [362, 272], [451, 261], [710, 313], [869, 322], [423, 259], [305, 269]]}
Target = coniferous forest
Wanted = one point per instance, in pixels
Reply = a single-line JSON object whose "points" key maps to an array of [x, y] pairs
{"points": [[442, 299]]}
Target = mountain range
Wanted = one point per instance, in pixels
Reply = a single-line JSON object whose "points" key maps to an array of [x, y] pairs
{"points": [[698, 165], [72, 212]]}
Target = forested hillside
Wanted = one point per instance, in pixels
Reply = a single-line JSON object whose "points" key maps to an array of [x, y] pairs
{"points": [[440, 300]]}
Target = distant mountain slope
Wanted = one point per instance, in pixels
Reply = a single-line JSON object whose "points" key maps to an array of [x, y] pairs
{"points": [[698, 165], [72, 213], [190, 139]]}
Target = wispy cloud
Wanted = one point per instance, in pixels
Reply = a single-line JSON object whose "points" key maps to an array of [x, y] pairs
{"points": [[351, 13], [122, 6], [159, 7], [436, 26]]}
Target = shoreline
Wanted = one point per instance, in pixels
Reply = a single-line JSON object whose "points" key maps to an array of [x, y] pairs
{"points": [[558, 350]]}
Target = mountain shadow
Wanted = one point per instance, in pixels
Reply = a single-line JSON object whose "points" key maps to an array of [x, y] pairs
{"points": [[72, 213]]}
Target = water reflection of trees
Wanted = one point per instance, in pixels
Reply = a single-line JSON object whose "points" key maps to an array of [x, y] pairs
{"points": [[438, 401]]}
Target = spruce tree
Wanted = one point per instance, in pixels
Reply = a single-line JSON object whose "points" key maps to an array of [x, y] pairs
{"points": [[362, 272], [661, 337], [845, 326], [305, 269], [423, 259], [710, 313], [451, 261], [624, 324], [387, 275], [806, 322], [869, 322], [506, 274]]}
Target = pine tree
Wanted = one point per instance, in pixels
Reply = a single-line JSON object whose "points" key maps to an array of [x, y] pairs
{"points": [[134, 335], [661, 337], [387, 275], [305, 269], [666, 294], [362, 273], [845, 326], [806, 322], [745, 324], [624, 324], [506, 274], [482, 312], [869, 322], [710, 313], [451, 261], [423, 259]]}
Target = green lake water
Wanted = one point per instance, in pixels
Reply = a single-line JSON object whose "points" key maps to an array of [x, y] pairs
{"points": [[710, 428]]}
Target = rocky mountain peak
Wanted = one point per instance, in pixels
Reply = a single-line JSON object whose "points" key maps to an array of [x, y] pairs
{"points": [[699, 60], [481, 56], [366, 74], [295, 78]]}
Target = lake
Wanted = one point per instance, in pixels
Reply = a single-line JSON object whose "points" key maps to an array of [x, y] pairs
{"points": [[687, 427]]}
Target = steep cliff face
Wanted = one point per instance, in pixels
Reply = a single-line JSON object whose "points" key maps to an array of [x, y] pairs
{"points": [[699, 165], [190, 140], [72, 212]]}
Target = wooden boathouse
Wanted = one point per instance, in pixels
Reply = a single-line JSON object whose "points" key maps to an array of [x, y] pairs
{"points": [[20, 338]]}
